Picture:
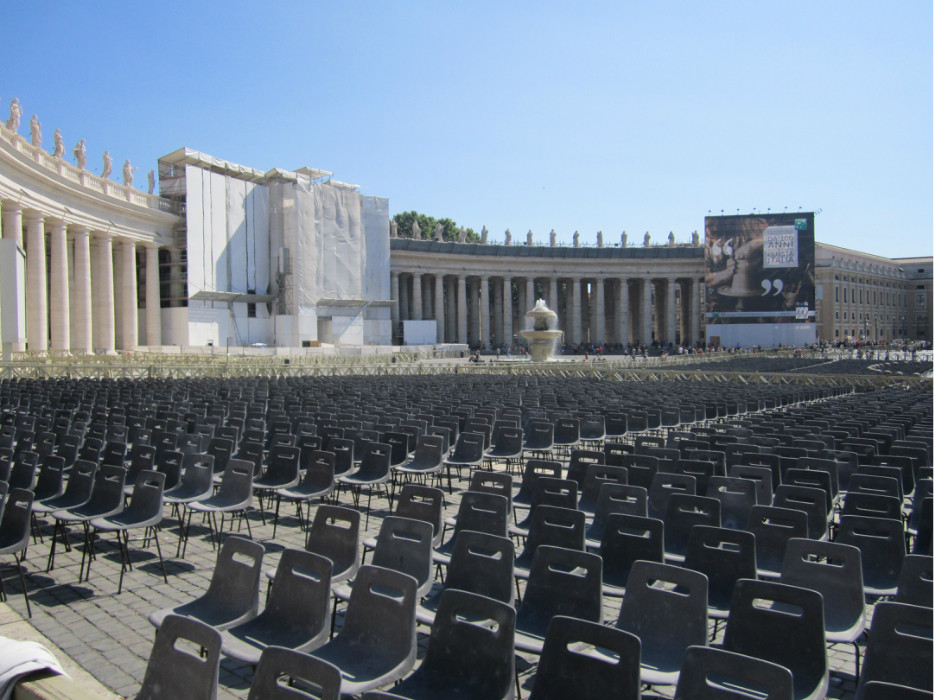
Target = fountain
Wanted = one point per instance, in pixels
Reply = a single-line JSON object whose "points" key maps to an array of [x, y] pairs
{"points": [[543, 334]]}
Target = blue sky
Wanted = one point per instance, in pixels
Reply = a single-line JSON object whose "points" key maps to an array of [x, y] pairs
{"points": [[525, 115]]}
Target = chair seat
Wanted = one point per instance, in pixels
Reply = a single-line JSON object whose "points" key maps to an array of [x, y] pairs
{"points": [[217, 504], [125, 521], [268, 484], [301, 492]]}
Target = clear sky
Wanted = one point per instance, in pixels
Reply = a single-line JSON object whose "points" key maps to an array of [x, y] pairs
{"points": [[635, 116]]}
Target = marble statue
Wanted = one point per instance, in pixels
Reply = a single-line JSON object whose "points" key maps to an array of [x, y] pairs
{"points": [[577, 239], [671, 238], [624, 239], [462, 235], [416, 229], [16, 112], [151, 179], [81, 153], [599, 239], [128, 173], [528, 238], [553, 238], [695, 238], [393, 229], [483, 234], [439, 231], [508, 237], [35, 130], [108, 165], [646, 242], [59, 151]]}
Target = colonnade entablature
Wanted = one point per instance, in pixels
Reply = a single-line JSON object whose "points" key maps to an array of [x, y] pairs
{"points": [[92, 252], [479, 294]]}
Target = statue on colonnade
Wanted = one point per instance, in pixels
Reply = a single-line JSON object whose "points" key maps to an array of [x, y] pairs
{"points": [[35, 130], [416, 229], [508, 237], [624, 239], [128, 173], [553, 238], [461, 235], [81, 153], [151, 178], [393, 229], [483, 234], [108, 165], [647, 241], [671, 238], [59, 150], [16, 112], [577, 239], [695, 238], [528, 238], [599, 239], [439, 231]]}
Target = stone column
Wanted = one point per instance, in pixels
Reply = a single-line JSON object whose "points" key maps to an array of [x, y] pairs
{"points": [[599, 325], [695, 311], [102, 285], [395, 308], [60, 325], [622, 313], [462, 309], [671, 312], [576, 314], [485, 310], [153, 297], [13, 222], [473, 314], [128, 299], [439, 306], [81, 338], [404, 310], [529, 294], [507, 311], [646, 330], [37, 306], [450, 332], [496, 316], [553, 293], [417, 296]]}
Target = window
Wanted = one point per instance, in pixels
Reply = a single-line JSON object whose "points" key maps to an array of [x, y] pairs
{"points": [[836, 294], [919, 301], [844, 295]]}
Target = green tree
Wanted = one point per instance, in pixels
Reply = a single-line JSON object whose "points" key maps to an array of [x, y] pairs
{"points": [[450, 230]]}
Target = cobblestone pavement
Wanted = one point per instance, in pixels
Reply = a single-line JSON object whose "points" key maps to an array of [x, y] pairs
{"points": [[108, 634]]}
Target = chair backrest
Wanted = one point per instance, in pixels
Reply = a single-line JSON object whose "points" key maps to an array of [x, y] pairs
{"points": [[237, 482], [782, 624], [737, 497], [284, 674], [482, 563], [716, 674], [724, 556], [596, 476], [810, 500], [554, 492], [24, 471], [14, 524], [234, 584], [662, 487], [566, 670], [539, 435], [564, 582], [535, 468], [555, 526], [686, 510], [319, 470], [881, 542], [580, 461], [916, 581], [300, 595], [899, 648], [146, 501], [335, 534], [872, 504], [760, 476], [405, 545], [184, 661], [773, 526], [835, 571], [813, 478], [51, 479], [482, 512], [469, 448], [107, 494], [197, 477], [668, 620], [283, 463], [419, 502], [486, 481], [626, 540], [613, 452]]}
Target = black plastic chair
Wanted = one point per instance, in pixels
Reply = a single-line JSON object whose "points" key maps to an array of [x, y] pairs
{"points": [[561, 493], [881, 542], [285, 674], [596, 476], [506, 446], [915, 585], [174, 671], [580, 461], [761, 477], [662, 487], [235, 496], [567, 670], [425, 462], [553, 526], [233, 593], [724, 556], [373, 471], [685, 511], [478, 511], [470, 651], [281, 473], [297, 613], [318, 481], [561, 582], [615, 498], [773, 527], [737, 496], [376, 645], [666, 607], [626, 540], [534, 468], [468, 452], [760, 625], [899, 650], [403, 544], [808, 499], [539, 437], [14, 534], [144, 512], [716, 674]]}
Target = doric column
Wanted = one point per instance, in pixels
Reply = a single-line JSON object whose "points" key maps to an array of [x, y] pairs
{"points": [[127, 299], [450, 331], [485, 310], [394, 295], [622, 313], [102, 285], [81, 338], [646, 329], [553, 293], [599, 324], [695, 310], [473, 314], [439, 306], [496, 314], [507, 311], [462, 309], [13, 222], [153, 297], [37, 308], [417, 296], [59, 325], [671, 313], [529, 294], [404, 307], [576, 314]]}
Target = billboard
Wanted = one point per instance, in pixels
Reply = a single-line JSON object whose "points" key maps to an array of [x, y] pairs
{"points": [[759, 269]]}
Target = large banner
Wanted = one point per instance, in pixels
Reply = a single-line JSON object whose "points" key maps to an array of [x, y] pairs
{"points": [[760, 268]]}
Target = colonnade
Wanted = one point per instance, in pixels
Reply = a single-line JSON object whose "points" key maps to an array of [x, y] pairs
{"points": [[82, 284], [489, 310]]}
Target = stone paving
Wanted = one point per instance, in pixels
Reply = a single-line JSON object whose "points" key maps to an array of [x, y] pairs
{"points": [[108, 635]]}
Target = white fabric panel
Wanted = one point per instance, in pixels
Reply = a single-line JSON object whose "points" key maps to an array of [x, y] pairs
{"points": [[376, 232], [237, 253], [195, 224], [307, 252], [219, 251], [340, 267], [257, 218]]}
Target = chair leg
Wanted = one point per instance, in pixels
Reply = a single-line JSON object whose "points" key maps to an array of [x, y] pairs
{"points": [[22, 580], [275, 520], [155, 536]]}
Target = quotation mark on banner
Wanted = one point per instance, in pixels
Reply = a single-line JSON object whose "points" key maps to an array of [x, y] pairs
{"points": [[726, 249], [769, 285]]}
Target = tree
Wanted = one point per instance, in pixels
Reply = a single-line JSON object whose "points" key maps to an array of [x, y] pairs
{"points": [[450, 229]]}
